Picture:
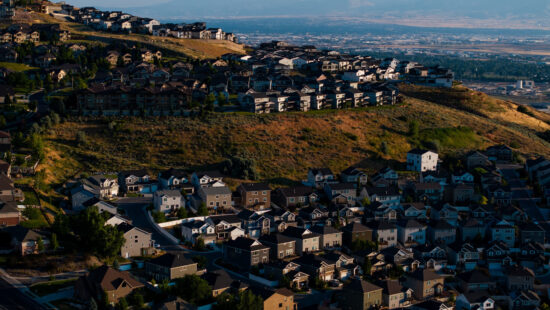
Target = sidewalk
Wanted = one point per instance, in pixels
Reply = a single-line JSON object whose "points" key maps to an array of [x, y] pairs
{"points": [[66, 293]]}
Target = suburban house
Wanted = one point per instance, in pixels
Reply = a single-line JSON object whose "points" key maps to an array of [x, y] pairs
{"points": [[99, 186], [475, 300], [330, 237], [136, 181], [306, 241], [385, 233], [281, 246], [245, 253], [296, 196], [395, 295], [220, 281], [169, 267], [206, 179], [341, 193], [318, 177], [354, 175], [411, 232], [193, 230], [227, 226], [475, 280], [138, 242], [441, 232], [255, 195], [356, 232], [217, 199], [172, 178], [25, 241], [116, 284], [167, 200], [422, 160], [425, 283], [360, 295], [505, 232], [317, 267], [519, 278], [282, 298], [254, 223], [10, 215]]}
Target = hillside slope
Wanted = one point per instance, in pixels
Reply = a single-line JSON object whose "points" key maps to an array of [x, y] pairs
{"points": [[284, 145], [193, 48]]}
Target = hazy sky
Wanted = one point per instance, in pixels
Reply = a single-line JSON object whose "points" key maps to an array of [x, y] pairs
{"points": [[230, 8]]}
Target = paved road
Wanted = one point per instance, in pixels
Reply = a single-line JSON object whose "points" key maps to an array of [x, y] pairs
{"points": [[12, 298], [135, 210]]}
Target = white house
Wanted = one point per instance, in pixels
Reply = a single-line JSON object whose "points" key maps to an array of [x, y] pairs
{"points": [[475, 300], [191, 230], [422, 160], [411, 231], [167, 200]]}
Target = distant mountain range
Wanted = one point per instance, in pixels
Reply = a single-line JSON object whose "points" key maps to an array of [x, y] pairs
{"points": [[496, 13]]}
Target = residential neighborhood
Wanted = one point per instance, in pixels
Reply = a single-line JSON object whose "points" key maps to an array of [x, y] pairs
{"points": [[355, 239], [418, 226]]}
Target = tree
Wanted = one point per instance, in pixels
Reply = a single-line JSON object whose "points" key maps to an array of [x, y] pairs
{"points": [[81, 138], [285, 281], [384, 147], [222, 100], [249, 301], [483, 200], [136, 300], [2, 121], [7, 100], [199, 244], [413, 129], [201, 261], [209, 102], [193, 289], [40, 244], [224, 301], [366, 201], [54, 243], [116, 264], [87, 232], [182, 213], [396, 272], [158, 216], [202, 211], [122, 304], [367, 267]]}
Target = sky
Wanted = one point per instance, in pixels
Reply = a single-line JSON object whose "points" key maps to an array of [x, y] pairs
{"points": [[478, 9]]}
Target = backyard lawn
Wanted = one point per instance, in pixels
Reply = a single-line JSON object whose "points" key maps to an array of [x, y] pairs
{"points": [[46, 288]]}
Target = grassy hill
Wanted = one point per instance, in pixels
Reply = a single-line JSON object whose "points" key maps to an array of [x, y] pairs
{"points": [[284, 145], [193, 48]]}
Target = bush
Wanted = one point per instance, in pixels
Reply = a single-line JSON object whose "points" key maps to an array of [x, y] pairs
{"points": [[523, 109], [158, 216], [351, 136]]}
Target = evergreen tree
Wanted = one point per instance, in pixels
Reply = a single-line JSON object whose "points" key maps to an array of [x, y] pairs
{"points": [[54, 243]]}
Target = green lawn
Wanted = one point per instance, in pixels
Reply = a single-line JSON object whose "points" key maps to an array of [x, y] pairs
{"points": [[46, 288], [17, 67], [31, 198]]}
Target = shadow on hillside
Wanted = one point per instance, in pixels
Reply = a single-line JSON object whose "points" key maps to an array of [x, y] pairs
{"points": [[393, 130], [283, 181]]}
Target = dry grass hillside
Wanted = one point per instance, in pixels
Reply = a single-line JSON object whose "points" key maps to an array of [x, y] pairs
{"points": [[285, 145], [193, 48]]}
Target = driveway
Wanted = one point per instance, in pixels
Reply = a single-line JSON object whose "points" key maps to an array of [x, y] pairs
{"points": [[135, 208]]}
